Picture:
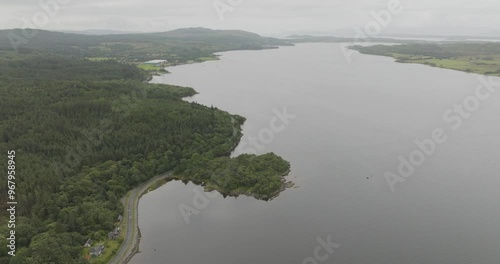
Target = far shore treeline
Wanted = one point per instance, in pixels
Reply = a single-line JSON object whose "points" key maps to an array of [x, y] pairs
{"points": [[474, 57]]}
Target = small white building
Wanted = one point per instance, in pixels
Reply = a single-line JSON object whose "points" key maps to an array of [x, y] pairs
{"points": [[88, 243], [156, 62]]}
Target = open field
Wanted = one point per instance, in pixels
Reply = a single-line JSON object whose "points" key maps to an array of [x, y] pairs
{"points": [[488, 65], [149, 67], [100, 58], [110, 249], [481, 58]]}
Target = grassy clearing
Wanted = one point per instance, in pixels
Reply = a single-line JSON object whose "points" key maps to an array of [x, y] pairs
{"points": [[202, 59], [487, 65], [110, 249], [100, 59], [149, 67], [480, 58]]}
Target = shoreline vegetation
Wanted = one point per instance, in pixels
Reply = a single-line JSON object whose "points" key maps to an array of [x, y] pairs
{"points": [[480, 58], [89, 130], [268, 167], [275, 173], [130, 227], [261, 177], [155, 70]]}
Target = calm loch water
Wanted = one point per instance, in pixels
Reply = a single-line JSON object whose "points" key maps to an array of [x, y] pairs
{"points": [[348, 124]]}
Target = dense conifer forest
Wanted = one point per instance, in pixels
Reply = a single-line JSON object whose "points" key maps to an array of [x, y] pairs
{"points": [[85, 132]]}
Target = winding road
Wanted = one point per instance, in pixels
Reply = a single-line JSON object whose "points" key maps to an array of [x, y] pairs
{"points": [[130, 244]]}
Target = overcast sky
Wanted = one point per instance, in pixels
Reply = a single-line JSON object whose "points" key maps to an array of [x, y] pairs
{"points": [[267, 17]]}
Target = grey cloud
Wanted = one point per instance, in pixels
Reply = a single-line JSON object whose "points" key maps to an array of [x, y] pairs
{"points": [[261, 16]]}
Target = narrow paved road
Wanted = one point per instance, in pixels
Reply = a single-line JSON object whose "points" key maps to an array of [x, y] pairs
{"points": [[131, 201]]}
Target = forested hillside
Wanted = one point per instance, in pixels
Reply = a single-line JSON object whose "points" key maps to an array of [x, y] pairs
{"points": [[177, 46], [84, 133], [257, 176]]}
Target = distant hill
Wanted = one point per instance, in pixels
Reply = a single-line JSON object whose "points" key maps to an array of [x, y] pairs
{"points": [[98, 32], [41, 40], [205, 32], [333, 39], [178, 45]]}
